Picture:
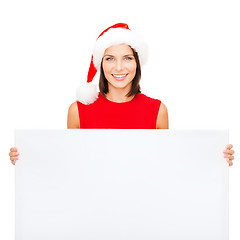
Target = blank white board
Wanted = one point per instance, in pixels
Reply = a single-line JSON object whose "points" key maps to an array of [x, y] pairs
{"points": [[121, 184]]}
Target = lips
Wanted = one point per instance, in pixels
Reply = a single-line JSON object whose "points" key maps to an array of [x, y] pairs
{"points": [[119, 77]]}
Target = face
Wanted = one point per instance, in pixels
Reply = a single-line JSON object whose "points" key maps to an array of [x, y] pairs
{"points": [[119, 66]]}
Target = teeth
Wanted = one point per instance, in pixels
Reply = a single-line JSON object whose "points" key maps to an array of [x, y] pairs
{"points": [[120, 76]]}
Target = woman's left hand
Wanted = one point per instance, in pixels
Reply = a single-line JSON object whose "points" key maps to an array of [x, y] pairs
{"points": [[228, 153]]}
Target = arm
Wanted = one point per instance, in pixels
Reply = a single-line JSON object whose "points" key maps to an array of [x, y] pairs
{"points": [[73, 120], [162, 118]]}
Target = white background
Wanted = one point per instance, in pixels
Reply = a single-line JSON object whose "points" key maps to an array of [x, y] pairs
{"points": [[193, 67]]}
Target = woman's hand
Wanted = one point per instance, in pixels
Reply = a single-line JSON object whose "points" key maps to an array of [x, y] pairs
{"points": [[228, 153], [13, 155]]}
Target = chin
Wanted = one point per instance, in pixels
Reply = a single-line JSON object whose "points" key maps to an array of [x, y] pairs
{"points": [[120, 85]]}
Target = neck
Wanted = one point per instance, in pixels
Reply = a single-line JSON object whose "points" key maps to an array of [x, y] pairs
{"points": [[118, 95]]}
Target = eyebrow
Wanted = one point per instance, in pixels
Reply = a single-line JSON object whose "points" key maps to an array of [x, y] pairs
{"points": [[109, 55]]}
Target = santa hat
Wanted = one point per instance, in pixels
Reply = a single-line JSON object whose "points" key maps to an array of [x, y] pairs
{"points": [[114, 35]]}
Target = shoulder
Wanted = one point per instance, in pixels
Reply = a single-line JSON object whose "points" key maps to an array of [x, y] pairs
{"points": [[163, 109], [73, 116], [73, 108], [162, 118], [148, 99]]}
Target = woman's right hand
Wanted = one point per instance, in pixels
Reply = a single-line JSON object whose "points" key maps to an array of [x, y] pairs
{"points": [[13, 155]]}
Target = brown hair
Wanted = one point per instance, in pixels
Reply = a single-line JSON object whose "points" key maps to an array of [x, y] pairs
{"points": [[103, 83]]}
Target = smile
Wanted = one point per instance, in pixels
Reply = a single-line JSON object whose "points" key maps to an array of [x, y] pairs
{"points": [[119, 77]]}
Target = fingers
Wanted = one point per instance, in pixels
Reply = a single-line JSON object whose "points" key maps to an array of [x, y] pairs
{"points": [[13, 162], [230, 163], [13, 149], [228, 154], [229, 146], [14, 158], [14, 155]]}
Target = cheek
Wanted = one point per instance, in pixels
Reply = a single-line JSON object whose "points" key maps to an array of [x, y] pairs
{"points": [[133, 68], [106, 68]]}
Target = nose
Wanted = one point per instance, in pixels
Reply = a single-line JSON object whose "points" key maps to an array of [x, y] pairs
{"points": [[119, 65]]}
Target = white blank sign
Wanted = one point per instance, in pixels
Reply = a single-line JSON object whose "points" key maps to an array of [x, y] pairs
{"points": [[121, 184]]}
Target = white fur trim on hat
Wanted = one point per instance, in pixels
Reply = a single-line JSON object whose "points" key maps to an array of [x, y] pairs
{"points": [[117, 36], [87, 93]]}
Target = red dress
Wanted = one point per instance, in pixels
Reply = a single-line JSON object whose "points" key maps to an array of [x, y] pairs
{"points": [[139, 113]]}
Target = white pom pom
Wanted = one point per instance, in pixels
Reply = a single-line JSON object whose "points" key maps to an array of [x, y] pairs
{"points": [[87, 93]]}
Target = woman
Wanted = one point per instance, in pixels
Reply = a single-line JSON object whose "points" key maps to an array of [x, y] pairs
{"points": [[119, 54]]}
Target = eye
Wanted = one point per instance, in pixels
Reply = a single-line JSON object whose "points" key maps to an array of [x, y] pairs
{"points": [[128, 58], [109, 59]]}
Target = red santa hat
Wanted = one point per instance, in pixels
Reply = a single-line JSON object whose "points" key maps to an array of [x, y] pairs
{"points": [[114, 35]]}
